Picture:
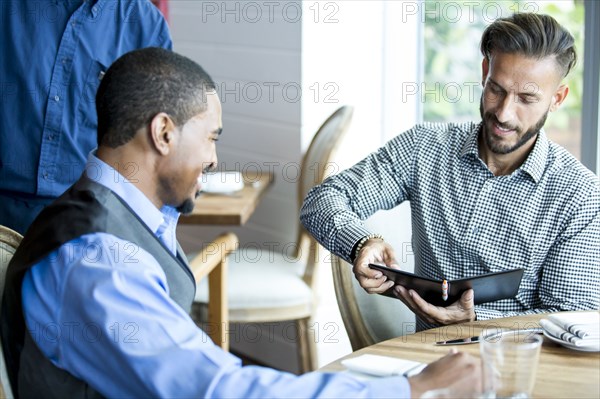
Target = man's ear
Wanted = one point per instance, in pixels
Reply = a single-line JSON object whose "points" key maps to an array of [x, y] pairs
{"points": [[162, 133], [558, 97], [485, 68]]}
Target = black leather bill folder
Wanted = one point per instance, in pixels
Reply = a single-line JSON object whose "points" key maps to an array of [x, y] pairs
{"points": [[488, 287]]}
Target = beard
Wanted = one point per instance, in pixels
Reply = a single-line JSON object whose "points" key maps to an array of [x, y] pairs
{"points": [[187, 206], [167, 191], [496, 146]]}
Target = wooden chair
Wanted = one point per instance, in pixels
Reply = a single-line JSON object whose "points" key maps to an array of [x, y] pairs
{"points": [[368, 318], [271, 287], [212, 262], [9, 241]]}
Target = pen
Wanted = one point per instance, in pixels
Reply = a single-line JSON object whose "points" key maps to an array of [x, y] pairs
{"points": [[445, 290], [475, 339]]}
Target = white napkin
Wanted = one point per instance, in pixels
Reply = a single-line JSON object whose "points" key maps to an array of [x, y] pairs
{"points": [[585, 324], [221, 182], [581, 324], [383, 366]]}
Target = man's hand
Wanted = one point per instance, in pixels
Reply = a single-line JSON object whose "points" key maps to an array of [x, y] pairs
{"points": [[378, 251], [457, 373], [460, 311]]}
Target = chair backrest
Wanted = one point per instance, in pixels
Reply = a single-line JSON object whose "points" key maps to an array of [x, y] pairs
{"points": [[317, 164], [368, 318], [9, 241]]}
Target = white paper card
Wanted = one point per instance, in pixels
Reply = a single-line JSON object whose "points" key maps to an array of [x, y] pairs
{"points": [[383, 366]]}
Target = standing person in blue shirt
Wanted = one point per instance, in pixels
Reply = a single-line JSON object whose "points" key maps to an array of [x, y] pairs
{"points": [[52, 58], [99, 305], [485, 196]]}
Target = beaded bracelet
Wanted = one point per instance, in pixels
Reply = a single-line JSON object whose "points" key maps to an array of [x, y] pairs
{"points": [[363, 241]]}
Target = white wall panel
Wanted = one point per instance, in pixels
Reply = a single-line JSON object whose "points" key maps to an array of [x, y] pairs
{"points": [[200, 21], [265, 66], [253, 52], [267, 138]]}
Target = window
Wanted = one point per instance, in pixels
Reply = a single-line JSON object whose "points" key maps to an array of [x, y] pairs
{"points": [[451, 87]]}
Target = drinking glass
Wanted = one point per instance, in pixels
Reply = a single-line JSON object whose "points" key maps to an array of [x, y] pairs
{"points": [[509, 362]]}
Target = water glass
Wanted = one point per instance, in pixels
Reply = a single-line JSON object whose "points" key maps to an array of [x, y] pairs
{"points": [[509, 362]]}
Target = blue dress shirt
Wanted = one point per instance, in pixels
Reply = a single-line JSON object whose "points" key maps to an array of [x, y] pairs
{"points": [[99, 307], [52, 57]]}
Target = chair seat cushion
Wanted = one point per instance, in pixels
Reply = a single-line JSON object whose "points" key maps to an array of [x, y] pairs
{"points": [[261, 279]]}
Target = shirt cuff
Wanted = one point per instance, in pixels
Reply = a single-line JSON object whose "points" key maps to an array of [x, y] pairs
{"points": [[348, 238], [392, 387]]}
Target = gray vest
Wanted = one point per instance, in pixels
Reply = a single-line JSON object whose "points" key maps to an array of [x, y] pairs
{"points": [[87, 207]]}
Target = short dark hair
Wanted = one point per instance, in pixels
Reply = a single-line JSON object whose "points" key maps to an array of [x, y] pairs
{"points": [[534, 35], [143, 83]]}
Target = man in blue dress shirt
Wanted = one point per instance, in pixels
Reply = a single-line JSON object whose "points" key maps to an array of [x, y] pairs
{"points": [[99, 289], [52, 58]]}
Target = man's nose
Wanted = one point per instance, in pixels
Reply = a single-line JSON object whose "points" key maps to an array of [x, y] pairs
{"points": [[506, 109], [212, 165]]}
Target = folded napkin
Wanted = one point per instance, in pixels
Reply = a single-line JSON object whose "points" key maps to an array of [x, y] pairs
{"points": [[579, 329], [221, 182], [581, 324], [383, 366]]}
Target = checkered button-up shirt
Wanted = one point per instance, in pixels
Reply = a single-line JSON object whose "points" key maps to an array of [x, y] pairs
{"points": [[544, 217]]}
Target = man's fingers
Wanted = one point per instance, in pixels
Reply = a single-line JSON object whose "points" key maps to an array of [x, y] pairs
{"points": [[394, 265], [426, 310], [461, 310], [372, 281], [467, 300], [389, 258], [403, 294], [375, 286], [381, 289], [417, 304], [399, 293], [376, 252], [362, 270]]}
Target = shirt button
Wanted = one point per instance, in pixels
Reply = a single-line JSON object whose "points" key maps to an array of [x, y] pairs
{"points": [[56, 98], [50, 137], [475, 230], [45, 175]]}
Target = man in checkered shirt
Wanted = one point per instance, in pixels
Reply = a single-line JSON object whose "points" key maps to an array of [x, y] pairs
{"points": [[485, 197]]}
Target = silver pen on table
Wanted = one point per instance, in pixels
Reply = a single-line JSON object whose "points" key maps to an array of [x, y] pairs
{"points": [[475, 339]]}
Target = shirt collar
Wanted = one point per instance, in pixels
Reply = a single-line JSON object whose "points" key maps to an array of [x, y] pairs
{"points": [[534, 163], [94, 7], [157, 220], [470, 145]]}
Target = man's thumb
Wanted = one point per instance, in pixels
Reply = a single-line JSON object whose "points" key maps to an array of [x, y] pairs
{"points": [[467, 297]]}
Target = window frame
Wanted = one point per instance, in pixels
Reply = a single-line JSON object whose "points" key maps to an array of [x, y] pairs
{"points": [[590, 113]]}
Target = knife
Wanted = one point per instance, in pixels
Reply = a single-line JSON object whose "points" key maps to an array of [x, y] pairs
{"points": [[475, 339]]}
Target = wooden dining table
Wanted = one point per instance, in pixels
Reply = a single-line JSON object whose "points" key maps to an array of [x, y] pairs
{"points": [[562, 372], [233, 209]]}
